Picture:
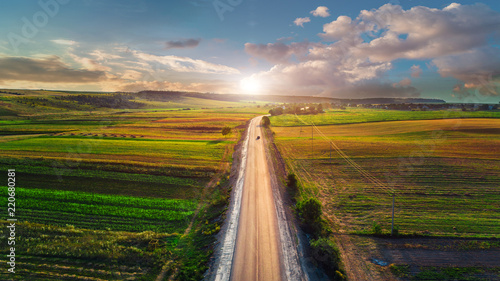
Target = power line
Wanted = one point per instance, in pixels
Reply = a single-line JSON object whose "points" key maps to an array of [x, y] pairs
{"points": [[358, 168]]}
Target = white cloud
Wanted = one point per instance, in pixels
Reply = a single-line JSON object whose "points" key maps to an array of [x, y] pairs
{"points": [[344, 27], [132, 75], [301, 21], [452, 6], [101, 56], [89, 64], [185, 64], [426, 33], [64, 42], [363, 49], [321, 11]]}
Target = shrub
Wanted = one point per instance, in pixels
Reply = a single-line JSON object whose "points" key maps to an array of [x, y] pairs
{"points": [[327, 255], [376, 228], [226, 131], [395, 231], [402, 270], [309, 210], [291, 183]]}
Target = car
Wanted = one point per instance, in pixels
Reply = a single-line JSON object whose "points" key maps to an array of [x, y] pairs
{"points": [[258, 137]]}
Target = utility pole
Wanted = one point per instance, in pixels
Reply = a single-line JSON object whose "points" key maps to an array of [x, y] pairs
{"points": [[331, 163], [330, 153], [312, 142], [392, 226]]}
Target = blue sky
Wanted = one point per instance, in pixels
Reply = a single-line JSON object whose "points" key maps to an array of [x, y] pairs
{"points": [[354, 49]]}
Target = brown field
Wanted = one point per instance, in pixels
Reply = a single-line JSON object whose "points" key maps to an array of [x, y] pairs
{"points": [[445, 175]]}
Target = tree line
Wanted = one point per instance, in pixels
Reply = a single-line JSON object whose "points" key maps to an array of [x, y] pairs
{"points": [[297, 108]]}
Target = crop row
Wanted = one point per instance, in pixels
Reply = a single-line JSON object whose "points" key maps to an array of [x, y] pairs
{"points": [[187, 150], [52, 170], [99, 211], [102, 199], [102, 222]]}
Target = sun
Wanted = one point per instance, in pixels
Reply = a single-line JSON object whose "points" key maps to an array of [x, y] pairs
{"points": [[250, 85]]}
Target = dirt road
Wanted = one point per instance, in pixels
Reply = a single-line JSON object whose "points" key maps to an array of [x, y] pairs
{"points": [[257, 252]]}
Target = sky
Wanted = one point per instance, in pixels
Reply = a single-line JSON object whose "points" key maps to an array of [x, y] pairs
{"points": [[344, 49]]}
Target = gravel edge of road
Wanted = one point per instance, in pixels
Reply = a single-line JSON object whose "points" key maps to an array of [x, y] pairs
{"points": [[211, 273]]}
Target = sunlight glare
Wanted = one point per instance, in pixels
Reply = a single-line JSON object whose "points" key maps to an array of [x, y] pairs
{"points": [[250, 85]]}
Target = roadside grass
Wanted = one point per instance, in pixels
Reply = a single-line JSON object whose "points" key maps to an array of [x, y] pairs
{"points": [[362, 115], [445, 175]]}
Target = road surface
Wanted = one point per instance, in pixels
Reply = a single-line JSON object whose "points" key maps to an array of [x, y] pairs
{"points": [[257, 252]]}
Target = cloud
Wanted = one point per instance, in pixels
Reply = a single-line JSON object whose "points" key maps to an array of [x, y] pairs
{"points": [[403, 83], [319, 76], [344, 27], [321, 11], [50, 69], [89, 64], [64, 42], [301, 21], [131, 75], [374, 90], [478, 68], [278, 52], [219, 40], [103, 56], [185, 64], [416, 71], [426, 33], [471, 66], [361, 49], [182, 44]]}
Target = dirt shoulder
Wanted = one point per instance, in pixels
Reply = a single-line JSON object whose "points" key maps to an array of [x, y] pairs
{"points": [[233, 178]]}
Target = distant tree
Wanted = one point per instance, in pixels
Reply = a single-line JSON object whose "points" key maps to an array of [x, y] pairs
{"points": [[312, 109], [266, 122], [226, 131], [320, 108], [484, 107], [276, 111]]}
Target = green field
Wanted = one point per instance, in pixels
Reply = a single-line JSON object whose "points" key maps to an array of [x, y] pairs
{"points": [[362, 115], [445, 173], [101, 212], [116, 193]]}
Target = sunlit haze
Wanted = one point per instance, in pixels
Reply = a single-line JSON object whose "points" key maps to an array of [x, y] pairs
{"points": [[250, 85]]}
